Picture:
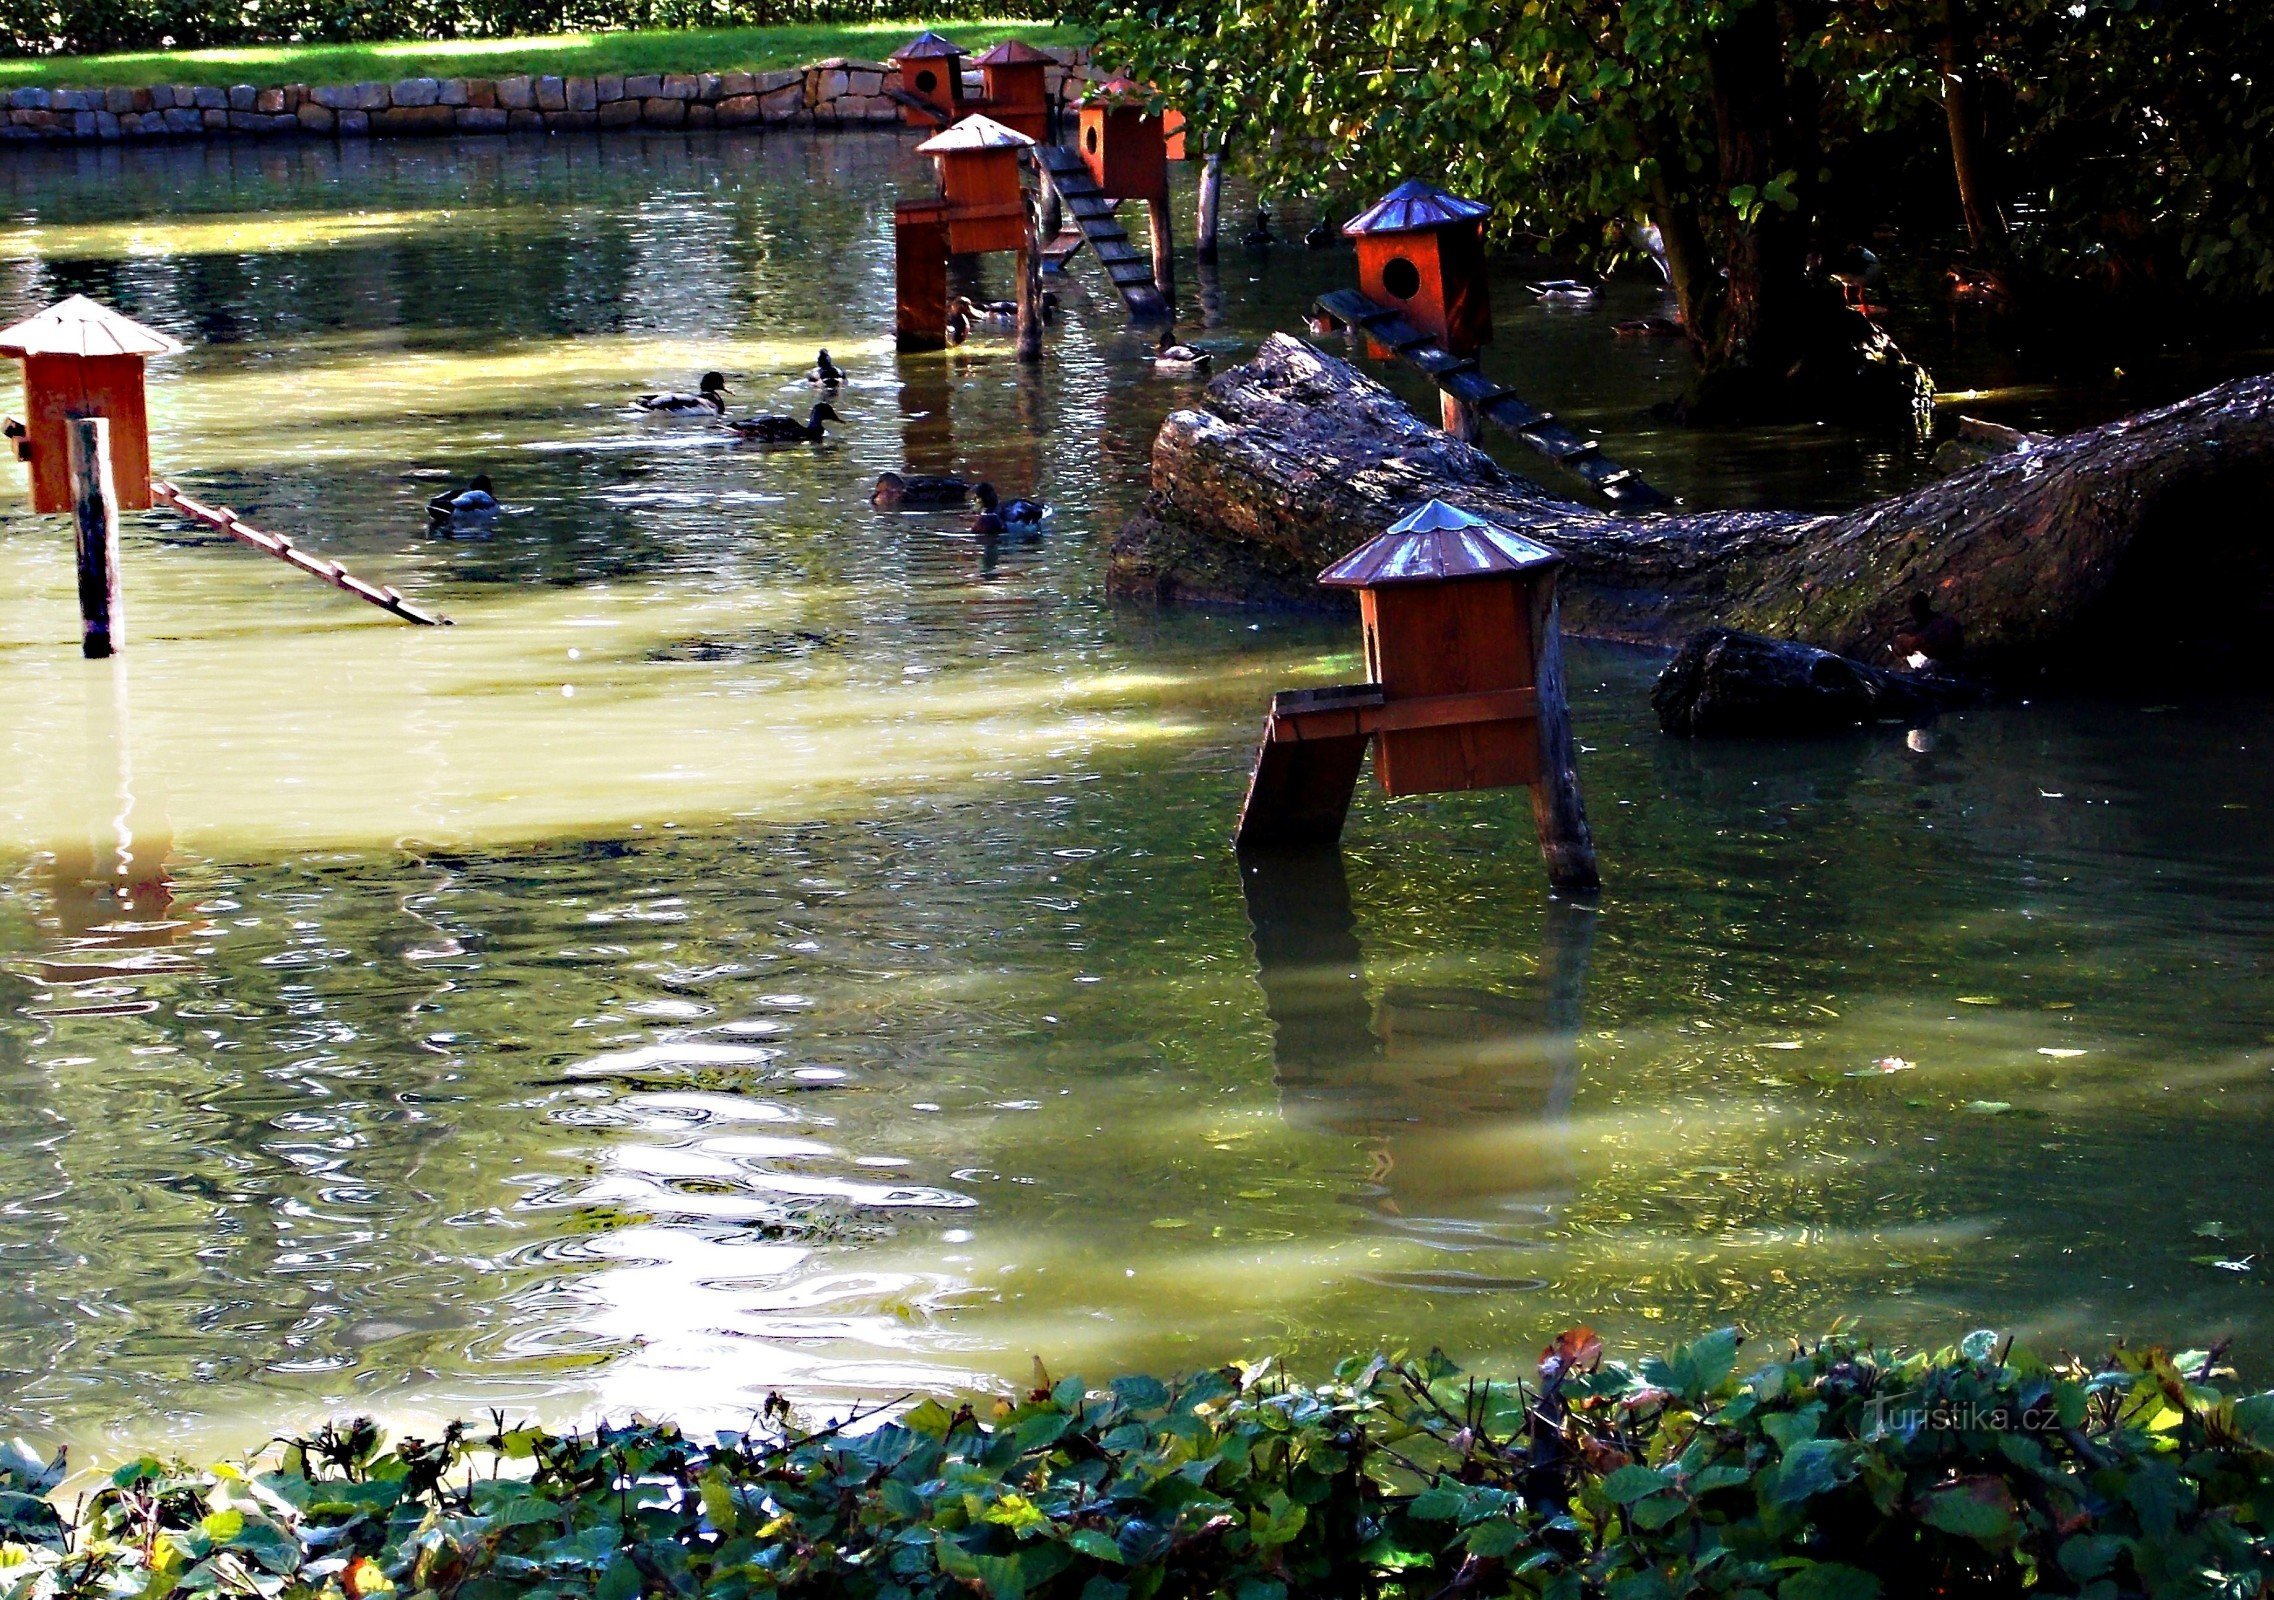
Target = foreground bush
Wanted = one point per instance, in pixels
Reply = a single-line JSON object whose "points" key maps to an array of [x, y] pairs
{"points": [[1829, 1473]]}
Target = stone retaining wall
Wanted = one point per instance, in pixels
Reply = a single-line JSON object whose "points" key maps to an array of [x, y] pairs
{"points": [[834, 93]]}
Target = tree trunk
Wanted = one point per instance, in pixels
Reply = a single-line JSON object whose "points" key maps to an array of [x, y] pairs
{"points": [[1960, 57], [2094, 552]]}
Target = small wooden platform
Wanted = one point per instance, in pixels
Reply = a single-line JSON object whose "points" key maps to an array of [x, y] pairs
{"points": [[1130, 269], [923, 107], [1460, 377]]}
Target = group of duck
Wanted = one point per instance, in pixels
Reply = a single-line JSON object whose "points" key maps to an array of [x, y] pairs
{"points": [[477, 505]]}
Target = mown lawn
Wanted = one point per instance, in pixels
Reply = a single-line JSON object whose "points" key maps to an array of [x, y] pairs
{"points": [[567, 54]]}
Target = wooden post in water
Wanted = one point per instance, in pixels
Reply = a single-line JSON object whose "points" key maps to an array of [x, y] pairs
{"points": [[94, 504], [1030, 287], [1164, 259], [920, 256], [1566, 843], [1459, 417], [1210, 204]]}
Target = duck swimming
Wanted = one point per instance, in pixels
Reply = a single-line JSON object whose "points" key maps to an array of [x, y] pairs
{"points": [[920, 490], [1324, 235], [958, 326], [1170, 356], [1565, 291], [787, 430], [826, 373], [1015, 516], [990, 310], [475, 504], [708, 400], [1258, 236]]}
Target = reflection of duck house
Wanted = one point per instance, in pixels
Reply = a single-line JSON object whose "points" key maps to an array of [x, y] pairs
{"points": [[979, 162], [1421, 251], [1458, 619], [931, 70], [1123, 143], [83, 360], [1016, 87]]}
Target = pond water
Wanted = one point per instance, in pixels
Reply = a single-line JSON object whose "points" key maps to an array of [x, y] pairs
{"points": [[770, 943]]}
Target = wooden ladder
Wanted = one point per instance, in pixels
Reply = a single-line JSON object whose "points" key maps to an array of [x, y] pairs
{"points": [[1129, 269]]}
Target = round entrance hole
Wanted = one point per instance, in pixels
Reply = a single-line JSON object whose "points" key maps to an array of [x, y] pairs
{"points": [[1401, 277], [1090, 139], [927, 81]]}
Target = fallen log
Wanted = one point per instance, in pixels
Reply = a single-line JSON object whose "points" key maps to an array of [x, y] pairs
{"points": [[2091, 551], [1725, 684]]}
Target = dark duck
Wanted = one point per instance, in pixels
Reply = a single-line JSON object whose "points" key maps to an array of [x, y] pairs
{"points": [[786, 430], [474, 504], [920, 491], [1012, 516]]}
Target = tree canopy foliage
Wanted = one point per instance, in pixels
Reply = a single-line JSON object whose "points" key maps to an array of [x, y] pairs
{"points": [[2121, 142], [1828, 1472]]}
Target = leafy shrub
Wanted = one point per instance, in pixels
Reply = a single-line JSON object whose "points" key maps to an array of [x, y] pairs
{"points": [[1832, 1472]]}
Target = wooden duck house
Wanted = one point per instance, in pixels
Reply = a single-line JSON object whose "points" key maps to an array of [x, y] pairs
{"points": [[1016, 86], [1465, 667], [979, 162], [1421, 252], [83, 360], [1122, 143], [931, 71]]}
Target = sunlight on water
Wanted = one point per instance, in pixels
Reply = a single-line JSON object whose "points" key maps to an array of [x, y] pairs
{"points": [[772, 943]]}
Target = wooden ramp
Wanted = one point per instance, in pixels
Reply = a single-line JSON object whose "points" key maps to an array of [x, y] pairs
{"points": [[1090, 211], [1460, 377], [924, 108], [224, 520]]}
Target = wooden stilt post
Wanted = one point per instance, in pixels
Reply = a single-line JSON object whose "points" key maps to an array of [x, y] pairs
{"points": [[1164, 246], [1566, 843], [1053, 208], [94, 502], [1460, 418], [920, 262], [1210, 203], [1030, 289]]}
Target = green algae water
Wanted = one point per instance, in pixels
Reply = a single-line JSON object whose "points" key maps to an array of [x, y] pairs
{"points": [[774, 944]]}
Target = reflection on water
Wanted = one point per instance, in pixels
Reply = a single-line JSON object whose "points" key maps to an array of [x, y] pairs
{"points": [[773, 942]]}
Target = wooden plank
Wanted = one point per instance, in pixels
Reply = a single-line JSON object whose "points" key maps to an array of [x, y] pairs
{"points": [[224, 520], [1299, 793]]}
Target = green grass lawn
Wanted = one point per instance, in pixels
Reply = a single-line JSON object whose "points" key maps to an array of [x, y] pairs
{"points": [[566, 54]]}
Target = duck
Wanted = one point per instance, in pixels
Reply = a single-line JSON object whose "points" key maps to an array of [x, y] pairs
{"points": [[958, 326], [1171, 356], [988, 525], [1648, 328], [919, 489], [1565, 291], [1323, 235], [787, 430], [990, 310], [826, 374], [1258, 236], [1016, 516], [709, 399], [477, 502]]}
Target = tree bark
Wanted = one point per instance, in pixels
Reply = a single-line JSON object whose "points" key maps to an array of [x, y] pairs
{"points": [[2093, 552]]}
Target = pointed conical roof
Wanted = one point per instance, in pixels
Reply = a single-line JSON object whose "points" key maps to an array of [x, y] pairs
{"points": [[80, 327], [1414, 205], [1014, 53], [1436, 543], [926, 44], [974, 132]]}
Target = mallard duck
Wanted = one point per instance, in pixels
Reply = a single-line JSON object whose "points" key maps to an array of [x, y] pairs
{"points": [[708, 400], [1258, 236], [475, 503], [1324, 235], [1170, 356], [988, 525], [893, 489], [990, 310], [1565, 291], [826, 373], [1016, 516], [958, 326], [787, 430]]}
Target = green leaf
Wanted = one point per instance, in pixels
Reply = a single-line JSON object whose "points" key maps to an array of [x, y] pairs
{"points": [[1829, 1580], [1096, 1545], [2088, 1556], [1632, 1483], [1977, 1508]]}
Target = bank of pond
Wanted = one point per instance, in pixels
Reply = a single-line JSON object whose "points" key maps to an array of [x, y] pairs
{"points": [[1826, 1470]]}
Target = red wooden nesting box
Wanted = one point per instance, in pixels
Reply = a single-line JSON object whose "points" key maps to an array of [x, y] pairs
{"points": [[1421, 251], [931, 69], [979, 163], [1449, 604], [1122, 143], [1172, 134], [1017, 90], [83, 360]]}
